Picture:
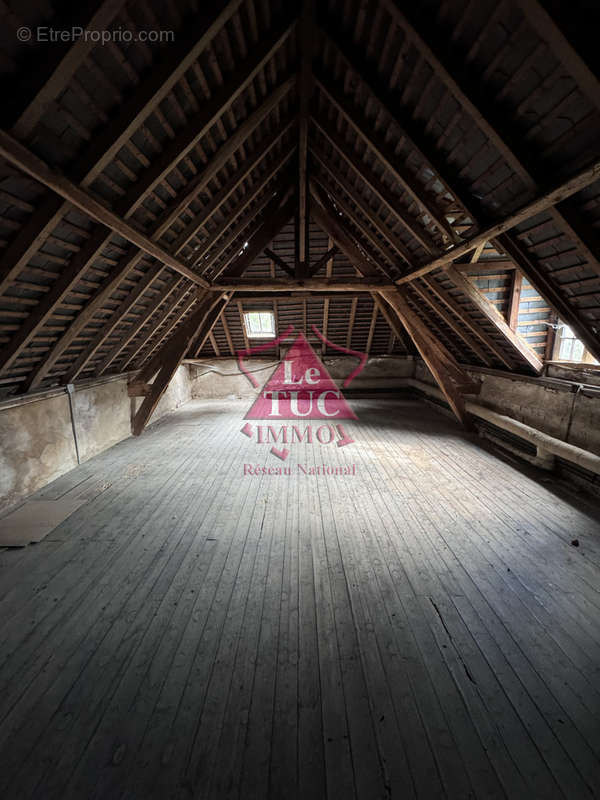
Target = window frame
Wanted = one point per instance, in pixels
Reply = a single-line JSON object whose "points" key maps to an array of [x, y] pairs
{"points": [[261, 335], [587, 358]]}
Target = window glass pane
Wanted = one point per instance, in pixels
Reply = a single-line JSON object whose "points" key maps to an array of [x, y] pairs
{"points": [[260, 324], [577, 352]]}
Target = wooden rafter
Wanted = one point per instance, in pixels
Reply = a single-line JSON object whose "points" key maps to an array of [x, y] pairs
{"points": [[449, 376], [170, 324], [514, 298], [213, 247], [27, 162], [372, 326], [388, 234], [200, 181], [487, 117], [306, 286], [590, 336], [453, 381], [199, 124], [469, 289], [392, 320], [52, 86], [108, 328], [381, 244], [111, 139], [447, 318], [281, 263], [305, 89], [387, 99], [276, 216], [321, 262], [383, 193], [543, 24], [58, 292], [229, 187], [470, 324], [330, 222], [124, 267], [545, 201], [164, 309], [384, 152], [195, 330], [132, 331]]}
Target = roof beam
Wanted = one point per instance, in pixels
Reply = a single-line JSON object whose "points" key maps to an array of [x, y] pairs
{"points": [[305, 90], [439, 310], [123, 268], [59, 290], [225, 192], [307, 285], [455, 307], [276, 216], [376, 142], [169, 305], [453, 381], [514, 299], [41, 99], [172, 65], [321, 262], [449, 376], [392, 320], [105, 331], [489, 311], [281, 263], [268, 206], [202, 259], [551, 295], [387, 251], [91, 250], [196, 329], [331, 224], [487, 117], [397, 245], [201, 122], [22, 158], [542, 203], [384, 194], [148, 361], [543, 24], [388, 100], [217, 161], [136, 326]]}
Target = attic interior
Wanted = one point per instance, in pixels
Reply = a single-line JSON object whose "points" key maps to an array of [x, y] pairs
{"points": [[300, 399]]}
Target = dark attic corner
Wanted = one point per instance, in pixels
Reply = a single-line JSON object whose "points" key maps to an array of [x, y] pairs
{"points": [[299, 400]]}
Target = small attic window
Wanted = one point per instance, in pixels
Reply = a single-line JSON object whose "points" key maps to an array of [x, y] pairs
{"points": [[260, 324], [569, 348]]}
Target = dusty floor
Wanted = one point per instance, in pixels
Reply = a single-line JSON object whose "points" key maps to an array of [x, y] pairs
{"points": [[419, 626]]}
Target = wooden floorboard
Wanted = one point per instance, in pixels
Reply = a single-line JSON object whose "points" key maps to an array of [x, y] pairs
{"points": [[424, 628]]}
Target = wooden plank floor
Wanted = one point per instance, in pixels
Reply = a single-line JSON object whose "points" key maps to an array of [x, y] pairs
{"points": [[423, 628]]}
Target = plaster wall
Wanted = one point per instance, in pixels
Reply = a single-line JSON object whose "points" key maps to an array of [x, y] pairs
{"points": [[222, 378], [565, 410], [36, 433]]}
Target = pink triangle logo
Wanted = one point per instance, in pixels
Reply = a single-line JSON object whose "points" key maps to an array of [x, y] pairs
{"points": [[300, 388]]}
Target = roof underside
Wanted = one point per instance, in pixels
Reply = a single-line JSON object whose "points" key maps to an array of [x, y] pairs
{"points": [[418, 125]]}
